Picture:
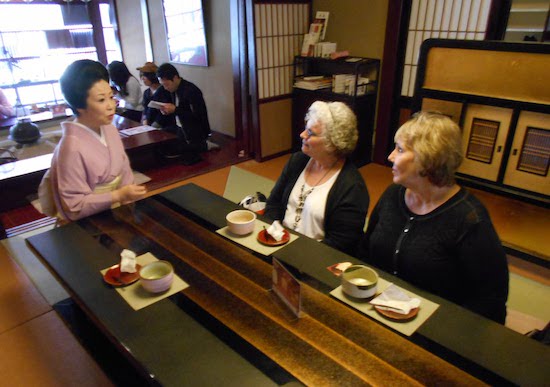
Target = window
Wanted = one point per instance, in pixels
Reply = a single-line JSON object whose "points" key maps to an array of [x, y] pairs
{"points": [[185, 31], [449, 19], [39, 40], [279, 31]]}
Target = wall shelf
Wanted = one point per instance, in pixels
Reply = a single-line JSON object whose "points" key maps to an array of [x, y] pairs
{"points": [[359, 96]]}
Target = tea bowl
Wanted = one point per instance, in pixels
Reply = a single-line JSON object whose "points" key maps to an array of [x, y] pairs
{"points": [[157, 277], [359, 281], [241, 222]]}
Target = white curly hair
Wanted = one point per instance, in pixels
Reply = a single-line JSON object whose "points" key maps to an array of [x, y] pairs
{"points": [[338, 124]]}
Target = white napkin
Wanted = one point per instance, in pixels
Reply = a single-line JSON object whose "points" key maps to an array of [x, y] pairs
{"points": [[276, 230], [396, 300], [127, 261], [342, 266]]}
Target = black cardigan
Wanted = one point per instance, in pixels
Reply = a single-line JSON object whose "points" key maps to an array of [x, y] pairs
{"points": [[346, 208], [453, 251]]}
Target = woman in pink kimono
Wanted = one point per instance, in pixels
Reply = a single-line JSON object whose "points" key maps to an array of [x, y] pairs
{"points": [[90, 171]]}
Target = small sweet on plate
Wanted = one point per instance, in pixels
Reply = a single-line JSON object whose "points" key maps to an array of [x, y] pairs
{"points": [[395, 304], [266, 239], [338, 268], [395, 315]]}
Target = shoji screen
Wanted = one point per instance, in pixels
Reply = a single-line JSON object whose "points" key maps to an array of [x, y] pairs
{"points": [[279, 31], [444, 19]]}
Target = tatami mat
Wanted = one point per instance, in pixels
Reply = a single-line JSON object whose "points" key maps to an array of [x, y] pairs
{"points": [[241, 183]]}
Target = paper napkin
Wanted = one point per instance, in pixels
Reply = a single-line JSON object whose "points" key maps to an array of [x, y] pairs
{"points": [[394, 299], [127, 261], [276, 230]]}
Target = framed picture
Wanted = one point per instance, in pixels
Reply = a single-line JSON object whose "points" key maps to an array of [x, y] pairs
{"points": [[185, 31]]}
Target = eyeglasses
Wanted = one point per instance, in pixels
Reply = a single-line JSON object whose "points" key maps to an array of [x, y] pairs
{"points": [[311, 133]]}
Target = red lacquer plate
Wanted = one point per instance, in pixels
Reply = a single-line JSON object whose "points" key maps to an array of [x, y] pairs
{"points": [[114, 277], [397, 316], [266, 239]]}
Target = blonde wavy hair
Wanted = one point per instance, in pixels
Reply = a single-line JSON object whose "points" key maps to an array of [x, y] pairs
{"points": [[436, 141], [338, 123]]}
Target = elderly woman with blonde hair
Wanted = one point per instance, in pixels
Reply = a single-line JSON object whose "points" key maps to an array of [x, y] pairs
{"points": [[320, 192], [431, 232]]}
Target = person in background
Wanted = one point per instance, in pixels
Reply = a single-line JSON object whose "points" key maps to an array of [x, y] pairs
{"points": [[128, 87], [189, 111], [6, 108], [90, 171], [154, 92], [320, 192], [431, 232]]}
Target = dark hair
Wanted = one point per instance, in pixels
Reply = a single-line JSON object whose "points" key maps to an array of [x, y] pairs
{"points": [[152, 77], [119, 74], [167, 71], [78, 78]]}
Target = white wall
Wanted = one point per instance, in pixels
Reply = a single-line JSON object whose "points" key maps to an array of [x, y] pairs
{"points": [[215, 81]]}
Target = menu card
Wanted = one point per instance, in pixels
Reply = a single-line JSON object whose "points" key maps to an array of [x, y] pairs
{"points": [[137, 130], [287, 288]]}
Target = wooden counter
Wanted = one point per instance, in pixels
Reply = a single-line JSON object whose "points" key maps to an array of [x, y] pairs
{"points": [[331, 345]]}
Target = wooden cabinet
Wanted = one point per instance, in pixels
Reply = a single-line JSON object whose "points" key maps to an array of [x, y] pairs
{"points": [[529, 159], [357, 94], [505, 119], [487, 130], [484, 136]]}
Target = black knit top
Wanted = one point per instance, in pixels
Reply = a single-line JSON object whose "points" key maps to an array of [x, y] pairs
{"points": [[454, 251]]}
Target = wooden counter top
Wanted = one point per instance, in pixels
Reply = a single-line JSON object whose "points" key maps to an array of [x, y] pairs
{"points": [[332, 344]]}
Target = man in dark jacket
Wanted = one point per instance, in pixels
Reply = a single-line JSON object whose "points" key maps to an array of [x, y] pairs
{"points": [[190, 117]]}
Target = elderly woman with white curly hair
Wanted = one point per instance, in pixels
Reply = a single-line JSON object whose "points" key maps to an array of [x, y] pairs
{"points": [[320, 192]]}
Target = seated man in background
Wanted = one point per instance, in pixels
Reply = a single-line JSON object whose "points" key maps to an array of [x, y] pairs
{"points": [[189, 113]]}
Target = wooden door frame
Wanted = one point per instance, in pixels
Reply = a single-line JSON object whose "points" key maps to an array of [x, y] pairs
{"points": [[245, 90]]}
